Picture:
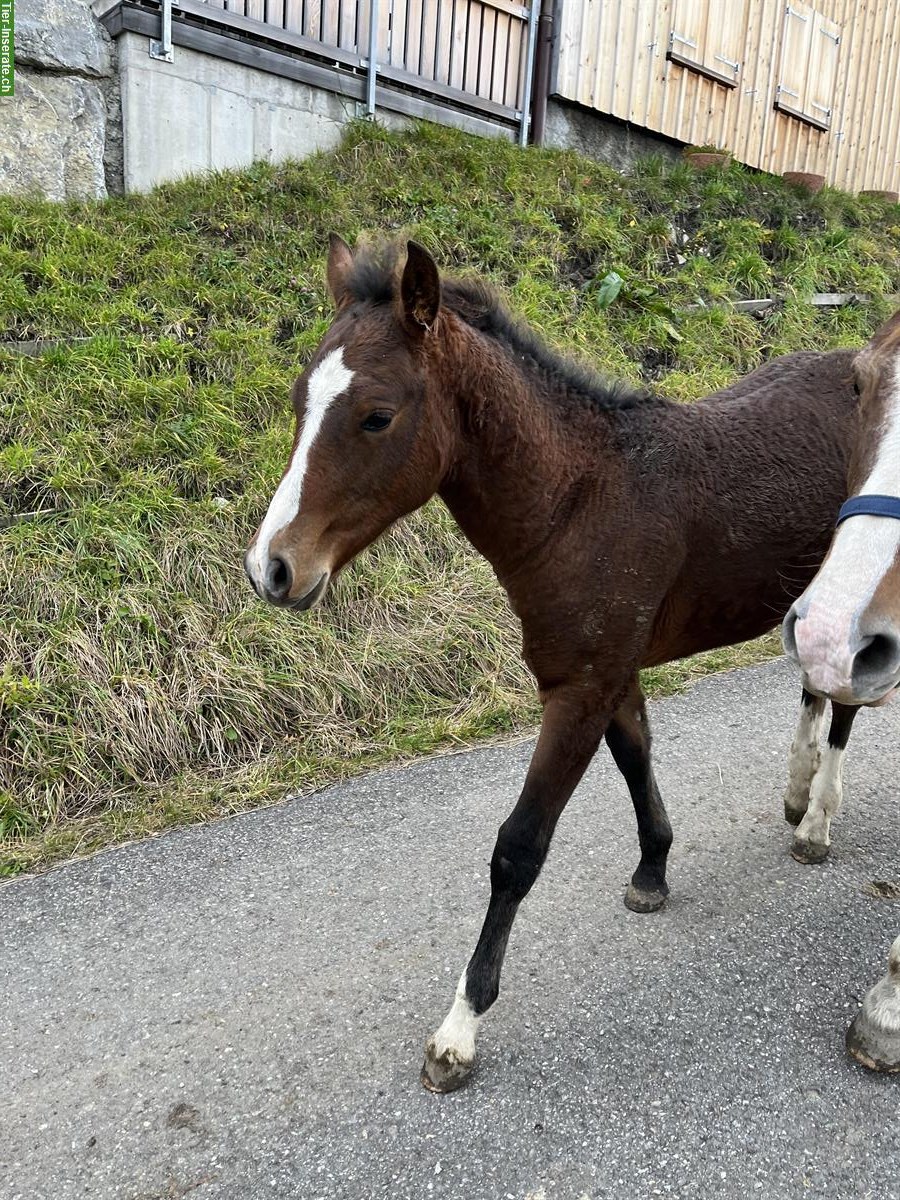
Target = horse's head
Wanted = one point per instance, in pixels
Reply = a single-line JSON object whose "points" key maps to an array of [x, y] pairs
{"points": [[844, 631], [372, 436]]}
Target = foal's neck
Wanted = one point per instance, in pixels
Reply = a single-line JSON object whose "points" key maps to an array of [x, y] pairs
{"points": [[516, 469]]}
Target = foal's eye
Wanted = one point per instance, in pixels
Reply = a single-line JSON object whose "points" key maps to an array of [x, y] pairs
{"points": [[377, 421]]}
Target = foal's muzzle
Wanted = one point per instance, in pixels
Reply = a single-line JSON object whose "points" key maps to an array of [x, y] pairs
{"points": [[277, 584]]}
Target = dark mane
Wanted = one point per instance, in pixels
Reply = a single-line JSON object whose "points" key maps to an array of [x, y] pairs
{"points": [[373, 278]]}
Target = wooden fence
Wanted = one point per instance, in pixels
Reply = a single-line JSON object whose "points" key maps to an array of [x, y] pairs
{"points": [[477, 52]]}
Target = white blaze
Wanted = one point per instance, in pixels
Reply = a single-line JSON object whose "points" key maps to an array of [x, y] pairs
{"points": [[330, 378], [862, 552]]}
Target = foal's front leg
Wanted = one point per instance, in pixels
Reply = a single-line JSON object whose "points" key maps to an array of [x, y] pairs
{"points": [[573, 724]]}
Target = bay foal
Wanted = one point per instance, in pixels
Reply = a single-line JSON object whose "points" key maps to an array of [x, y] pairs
{"points": [[626, 530], [844, 633]]}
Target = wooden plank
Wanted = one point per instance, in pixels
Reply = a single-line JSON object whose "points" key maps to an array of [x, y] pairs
{"points": [[428, 39], [397, 44], [444, 42], [385, 19], [473, 46], [500, 57], [486, 51], [293, 16], [255, 10], [348, 17], [456, 64], [413, 55], [274, 13], [313, 24], [329, 22]]}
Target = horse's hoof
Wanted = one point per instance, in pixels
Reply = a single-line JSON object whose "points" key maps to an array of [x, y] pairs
{"points": [[645, 900], [877, 1049], [809, 852], [446, 1072], [793, 816]]}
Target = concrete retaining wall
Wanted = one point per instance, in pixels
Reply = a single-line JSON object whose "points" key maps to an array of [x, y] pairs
{"points": [[606, 139], [202, 113]]}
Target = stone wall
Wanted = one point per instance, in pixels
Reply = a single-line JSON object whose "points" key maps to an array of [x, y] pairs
{"points": [[60, 134]]}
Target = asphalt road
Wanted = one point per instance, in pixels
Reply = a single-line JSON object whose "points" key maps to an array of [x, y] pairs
{"points": [[238, 1010]]}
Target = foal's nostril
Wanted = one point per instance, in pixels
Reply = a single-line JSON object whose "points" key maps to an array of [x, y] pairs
{"points": [[278, 578]]}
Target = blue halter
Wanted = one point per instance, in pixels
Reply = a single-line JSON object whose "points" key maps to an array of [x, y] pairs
{"points": [[870, 506]]}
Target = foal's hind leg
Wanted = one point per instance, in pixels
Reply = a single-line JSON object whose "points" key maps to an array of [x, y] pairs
{"points": [[812, 841], [805, 757], [628, 738]]}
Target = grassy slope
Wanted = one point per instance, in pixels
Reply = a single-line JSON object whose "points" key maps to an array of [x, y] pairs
{"points": [[140, 684]]}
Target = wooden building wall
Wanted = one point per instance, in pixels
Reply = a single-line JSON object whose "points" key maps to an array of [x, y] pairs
{"points": [[784, 86]]}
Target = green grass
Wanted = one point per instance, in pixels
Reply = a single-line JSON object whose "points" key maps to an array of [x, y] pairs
{"points": [[141, 685]]}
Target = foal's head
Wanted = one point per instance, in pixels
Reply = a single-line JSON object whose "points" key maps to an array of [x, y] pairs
{"points": [[372, 437], [844, 631]]}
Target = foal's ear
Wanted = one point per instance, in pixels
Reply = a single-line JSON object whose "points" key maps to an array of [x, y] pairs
{"points": [[420, 289], [340, 258]]}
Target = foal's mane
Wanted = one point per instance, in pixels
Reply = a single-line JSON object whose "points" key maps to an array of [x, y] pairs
{"points": [[374, 278]]}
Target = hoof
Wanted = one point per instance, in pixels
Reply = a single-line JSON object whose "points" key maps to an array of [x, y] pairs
{"points": [[645, 900], [793, 816], [809, 852], [445, 1073], [877, 1049]]}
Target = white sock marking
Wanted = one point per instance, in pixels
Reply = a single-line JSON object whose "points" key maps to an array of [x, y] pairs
{"points": [[330, 378], [456, 1036], [825, 797]]}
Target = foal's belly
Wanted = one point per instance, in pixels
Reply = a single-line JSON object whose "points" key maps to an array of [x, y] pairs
{"points": [[691, 621]]}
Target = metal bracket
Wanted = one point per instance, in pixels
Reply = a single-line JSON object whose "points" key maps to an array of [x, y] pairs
{"points": [[162, 50], [729, 62]]}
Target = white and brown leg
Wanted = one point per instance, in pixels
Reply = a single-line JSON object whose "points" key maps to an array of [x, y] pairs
{"points": [[812, 841], [570, 734], [874, 1036], [805, 756]]}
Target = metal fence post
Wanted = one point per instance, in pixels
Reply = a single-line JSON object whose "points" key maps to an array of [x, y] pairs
{"points": [[163, 48], [373, 66], [533, 15]]}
